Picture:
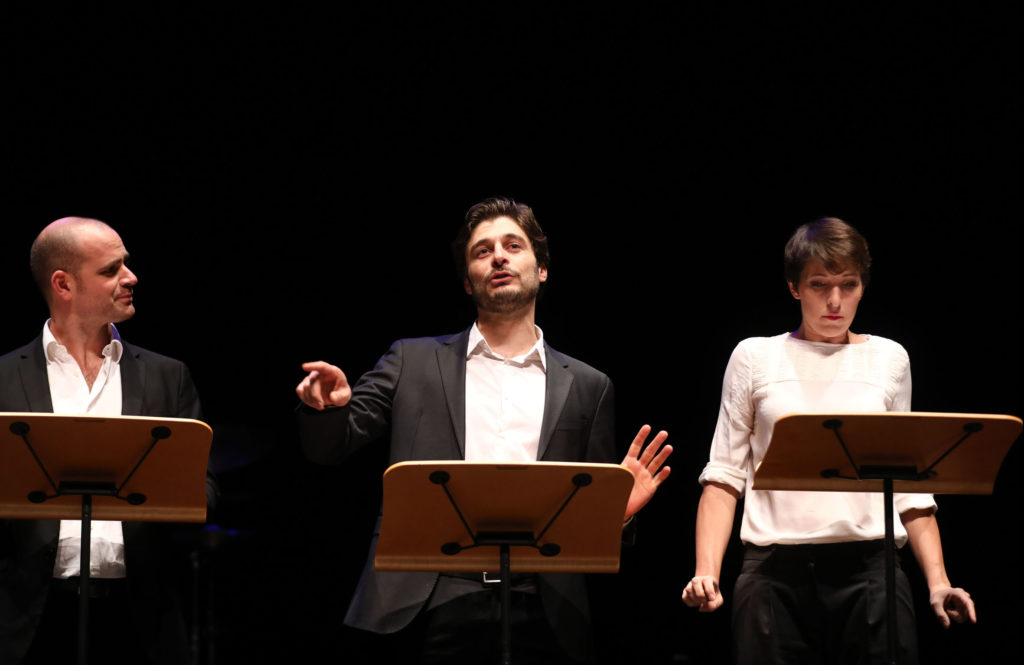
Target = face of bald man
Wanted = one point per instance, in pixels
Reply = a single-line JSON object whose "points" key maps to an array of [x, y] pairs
{"points": [[101, 289]]}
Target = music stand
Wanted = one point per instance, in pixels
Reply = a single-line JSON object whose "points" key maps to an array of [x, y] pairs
{"points": [[473, 517], [938, 453], [101, 467]]}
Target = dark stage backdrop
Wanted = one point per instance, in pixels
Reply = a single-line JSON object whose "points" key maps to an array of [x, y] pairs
{"points": [[287, 184]]}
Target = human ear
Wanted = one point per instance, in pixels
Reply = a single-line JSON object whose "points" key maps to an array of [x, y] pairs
{"points": [[60, 282]]}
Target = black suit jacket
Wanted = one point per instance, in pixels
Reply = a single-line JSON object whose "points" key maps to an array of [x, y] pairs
{"points": [[151, 385], [417, 393]]}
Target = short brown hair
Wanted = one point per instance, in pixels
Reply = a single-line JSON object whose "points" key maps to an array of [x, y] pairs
{"points": [[492, 208], [833, 242]]}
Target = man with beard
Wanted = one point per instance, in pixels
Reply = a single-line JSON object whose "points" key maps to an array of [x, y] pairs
{"points": [[496, 392]]}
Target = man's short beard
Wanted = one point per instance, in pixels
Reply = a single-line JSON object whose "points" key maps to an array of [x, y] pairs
{"points": [[506, 301]]}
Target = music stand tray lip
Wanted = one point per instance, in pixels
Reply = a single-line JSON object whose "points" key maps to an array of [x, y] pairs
{"points": [[577, 506], [32, 415], [927, 452]]}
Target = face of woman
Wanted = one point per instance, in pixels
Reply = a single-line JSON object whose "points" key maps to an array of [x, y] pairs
{"points": [[828, 302]]}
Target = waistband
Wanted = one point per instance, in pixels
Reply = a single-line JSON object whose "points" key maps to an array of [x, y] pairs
{"points": [[852, 549], [99, 587], [517, 581]]}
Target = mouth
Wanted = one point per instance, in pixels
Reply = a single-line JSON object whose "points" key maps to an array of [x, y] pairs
{"points": [[833, 317], [501, 278]]}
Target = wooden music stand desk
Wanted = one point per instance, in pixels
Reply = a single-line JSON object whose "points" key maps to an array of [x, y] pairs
{"points": [[123, 468], [939, 453], [471, 517]]}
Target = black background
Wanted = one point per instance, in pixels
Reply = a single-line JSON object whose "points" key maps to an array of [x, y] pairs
{"points": [[287, 182]]}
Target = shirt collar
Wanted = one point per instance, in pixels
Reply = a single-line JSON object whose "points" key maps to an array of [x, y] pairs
{"points": [[477, 344], [55, 351]]}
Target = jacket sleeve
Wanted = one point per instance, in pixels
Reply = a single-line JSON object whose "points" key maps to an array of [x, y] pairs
{"points": [[331, 435]]}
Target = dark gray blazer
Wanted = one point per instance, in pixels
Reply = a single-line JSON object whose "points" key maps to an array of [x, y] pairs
{"points": [[417, 392], [151, 385]]}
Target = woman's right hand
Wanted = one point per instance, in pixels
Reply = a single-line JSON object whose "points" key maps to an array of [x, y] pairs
{"points": [[703, 593]]}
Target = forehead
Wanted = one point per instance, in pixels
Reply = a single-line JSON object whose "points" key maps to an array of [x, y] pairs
{"points": [[493, 229], [99, 243], [815, 268]]}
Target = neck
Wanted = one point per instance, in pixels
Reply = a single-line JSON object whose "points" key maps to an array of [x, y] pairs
{"points": [[80, 339], [509, 334], [848, 337]]}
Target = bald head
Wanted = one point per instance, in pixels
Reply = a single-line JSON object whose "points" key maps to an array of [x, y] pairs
{"points": [[58, 247]]}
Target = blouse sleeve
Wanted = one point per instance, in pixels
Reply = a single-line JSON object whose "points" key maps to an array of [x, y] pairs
{"points": [[901, 391], [730, 448], [899, 381]]}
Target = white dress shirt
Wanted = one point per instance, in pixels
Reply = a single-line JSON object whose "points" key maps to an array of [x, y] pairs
{"points": [[504, 401], [70, 394]]}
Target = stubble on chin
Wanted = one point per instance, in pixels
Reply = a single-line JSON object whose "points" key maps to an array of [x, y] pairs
{"points": [[505, 300]]}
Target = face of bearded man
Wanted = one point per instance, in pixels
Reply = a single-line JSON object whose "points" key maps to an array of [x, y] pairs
{"points": [[502, 274]]}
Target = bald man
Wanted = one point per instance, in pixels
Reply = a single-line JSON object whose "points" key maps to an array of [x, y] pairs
{"points": [[79, 365]]}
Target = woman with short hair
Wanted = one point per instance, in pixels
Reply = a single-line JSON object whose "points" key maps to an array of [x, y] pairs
{"points": [[812, 585]]}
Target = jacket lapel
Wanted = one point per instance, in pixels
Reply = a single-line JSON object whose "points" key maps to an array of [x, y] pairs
{"points": [[559, 381], [133, 382], [33, 377], [451, 364]]}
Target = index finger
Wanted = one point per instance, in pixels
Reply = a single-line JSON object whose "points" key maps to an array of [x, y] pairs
{"points": [[315, 365]]}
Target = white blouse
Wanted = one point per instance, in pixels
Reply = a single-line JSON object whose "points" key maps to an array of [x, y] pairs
{"points": [[770, 377]]}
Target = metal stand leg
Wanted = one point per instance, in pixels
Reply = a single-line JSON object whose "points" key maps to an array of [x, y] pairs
{"points": [[506, 607], [890, 573], [85, 541]]}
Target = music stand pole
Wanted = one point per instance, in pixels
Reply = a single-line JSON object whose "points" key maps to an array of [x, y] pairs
{"points": [[506, 606], [890, 571], [85, 542]]}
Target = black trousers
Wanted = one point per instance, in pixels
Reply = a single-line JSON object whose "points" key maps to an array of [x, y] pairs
{"points": [[466, 629], [819, 604], [120, 630], [111, 634]]}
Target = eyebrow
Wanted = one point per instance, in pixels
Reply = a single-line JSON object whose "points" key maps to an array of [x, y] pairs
{"points": [[840, 275], [116, 262], [507, 236]]}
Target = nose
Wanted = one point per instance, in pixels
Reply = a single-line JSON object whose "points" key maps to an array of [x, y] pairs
{"points": [[499, 258], [129, 278], [834, 298]]}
